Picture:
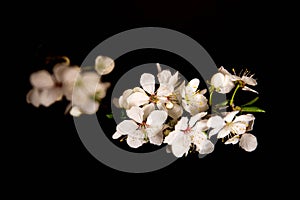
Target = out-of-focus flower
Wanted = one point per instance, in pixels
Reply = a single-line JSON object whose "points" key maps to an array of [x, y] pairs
{"points": [[104, 65]]}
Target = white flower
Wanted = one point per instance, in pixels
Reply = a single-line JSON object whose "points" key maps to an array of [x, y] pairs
{"points": [[188, 132], [222, 81], [243, 80], [146, 124], [194, 101], [229, 124], [104, 65], [48, 88], [87, 93]]}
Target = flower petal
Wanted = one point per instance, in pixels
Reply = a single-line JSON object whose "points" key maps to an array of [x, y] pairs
{"points": [[157, 139], [248, 142], [33, 97], [171, 137], [192, 86], [234, 140], [238, 128], [116, 135], [134, 142], [157, 118], [206, 147], [104, 65], [41, 79], [127, 127], [214, 131], [224, 132], [181, 145], [196, 118], [137, 99], [182, 124], [49, 96], [229, 117], [245, 88], [75, 111], [244, 118], [215, 122], [147, 82], [147, 110], [136, 113]]}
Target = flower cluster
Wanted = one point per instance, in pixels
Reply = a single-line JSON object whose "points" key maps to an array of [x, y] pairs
{"points": [[173, 112]]}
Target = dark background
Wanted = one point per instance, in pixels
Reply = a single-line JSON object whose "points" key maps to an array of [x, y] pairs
{"points": [[51, 157]]}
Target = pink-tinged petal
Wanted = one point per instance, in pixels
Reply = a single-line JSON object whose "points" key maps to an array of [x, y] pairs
{"points": [[58, 71], [245, 88], [229, 117], [127, 127], [196, 118], [134, 142], [206, 147], [157, 118], [157, 139], [248, 142], [70, 75], [147, 110], [234, 140], [238, 128], [182, 124], [147, 82], [49, 96], [215, 122], [136, 113], [224, 132], [137, 99], [33, 97], [41, 79], [104, 65], [116, 135]]}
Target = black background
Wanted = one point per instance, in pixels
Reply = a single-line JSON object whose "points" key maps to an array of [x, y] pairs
{"points": [[50, 156]]}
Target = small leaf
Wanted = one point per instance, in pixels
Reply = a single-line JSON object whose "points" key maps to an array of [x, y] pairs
{"points": [[252, 109], [251, 102], [109, 116]]}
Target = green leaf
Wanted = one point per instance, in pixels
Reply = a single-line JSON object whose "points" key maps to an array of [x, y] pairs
{"points": [[251, 109], [109, 116], [251, 102]]}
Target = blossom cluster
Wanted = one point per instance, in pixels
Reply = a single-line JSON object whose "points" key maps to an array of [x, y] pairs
{"points": [[173, 112]]}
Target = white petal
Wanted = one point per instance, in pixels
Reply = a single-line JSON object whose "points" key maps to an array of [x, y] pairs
{"points": [[116, 102], [224, 71], [217, 80], [196, 118], [157, 118], [234, 140], [136, 113], [158, 67], [176, 112], [171, 137], [182, 124], [152, 131], [215, 122], [116, 135], [70, 75], [33, 97], [134, 142], [126, 127], [229, 117], [157, 139], [147, 82], [137, 99], [192, 86], [181, 145], [214, 131], [244, 118], [90, 107], [248, 142], [249, 80], [238, 128], [245, 88], [147, 110], [41, 79], [164, 76], [49, 96], [201, 126], [206, 147], [224, 132], [90, 81], [173, 80], [104, 65]]}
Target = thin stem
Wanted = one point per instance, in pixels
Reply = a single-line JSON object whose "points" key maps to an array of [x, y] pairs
{"points": [[210, 97], [233, 95]]}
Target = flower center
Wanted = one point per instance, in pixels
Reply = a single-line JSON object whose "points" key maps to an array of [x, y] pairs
{"points": [[153, 98], [187, 130], [143, 125]]}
